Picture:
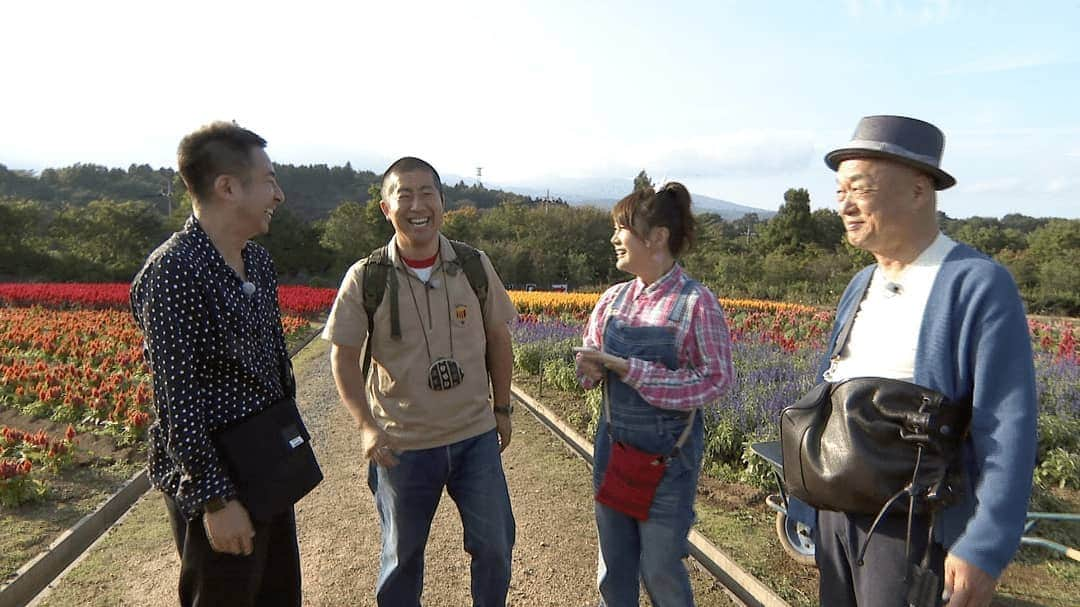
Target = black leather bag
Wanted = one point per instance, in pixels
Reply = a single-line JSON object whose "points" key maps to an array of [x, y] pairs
{"points": [[859, 445], [269, 456]]}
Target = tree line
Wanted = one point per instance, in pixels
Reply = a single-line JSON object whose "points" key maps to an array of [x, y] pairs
{"points": [[90, 223]]}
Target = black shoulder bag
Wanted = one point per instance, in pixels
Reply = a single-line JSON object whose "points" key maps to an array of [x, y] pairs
{"points": [[269, 455]]}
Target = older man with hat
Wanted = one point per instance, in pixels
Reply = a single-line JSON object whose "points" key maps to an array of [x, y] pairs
{"points": [[939, 314]]}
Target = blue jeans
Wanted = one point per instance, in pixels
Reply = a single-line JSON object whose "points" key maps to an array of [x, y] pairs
{"points": [[407, 496], [653, 549]]}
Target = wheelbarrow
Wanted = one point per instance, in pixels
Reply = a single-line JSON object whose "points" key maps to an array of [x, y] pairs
{"points": [[795, 519]]}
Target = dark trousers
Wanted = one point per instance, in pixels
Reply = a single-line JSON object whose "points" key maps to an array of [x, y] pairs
{"points": [[268, 577], [881, 580]]}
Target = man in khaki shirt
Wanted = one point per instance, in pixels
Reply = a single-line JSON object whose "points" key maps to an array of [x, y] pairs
{"points": [[424, 414]]}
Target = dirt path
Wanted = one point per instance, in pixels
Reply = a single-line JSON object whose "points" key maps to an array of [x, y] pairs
{"points": [[554, 558]]}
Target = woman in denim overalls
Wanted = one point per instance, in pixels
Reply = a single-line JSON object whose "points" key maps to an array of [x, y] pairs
{"points": [[661, 346]]}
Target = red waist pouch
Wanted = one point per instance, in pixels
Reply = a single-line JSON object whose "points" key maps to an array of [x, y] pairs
{"points": [[630, 481]]}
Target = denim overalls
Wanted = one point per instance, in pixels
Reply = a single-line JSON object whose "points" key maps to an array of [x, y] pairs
{"points": [[652, 549]]}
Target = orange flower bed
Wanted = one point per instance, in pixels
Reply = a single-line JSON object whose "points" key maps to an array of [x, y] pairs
{"points": [[554, 302]]}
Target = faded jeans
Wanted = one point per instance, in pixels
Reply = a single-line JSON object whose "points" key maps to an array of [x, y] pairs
{"points": [[407, 496]]}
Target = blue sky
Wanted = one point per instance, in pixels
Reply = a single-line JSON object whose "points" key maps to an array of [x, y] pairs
{"points": [[738, 99]]}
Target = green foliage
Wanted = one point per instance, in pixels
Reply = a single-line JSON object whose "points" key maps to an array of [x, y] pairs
{"points": [[724, 437], [1059, 468], [594, 402], [587, 417], [532, 356], [20, 490], [111, 237], [792, 229], [295, 245], [87, 222], [354, 230], [561, 374], [756, 471], [1058, 432], [642, 181]]}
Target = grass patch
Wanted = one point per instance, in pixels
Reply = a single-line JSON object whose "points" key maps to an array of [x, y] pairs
{"points": [[73, 494]]}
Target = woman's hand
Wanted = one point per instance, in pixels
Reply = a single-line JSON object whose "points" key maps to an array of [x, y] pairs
{"points": [[589, 369], [591, 360]]}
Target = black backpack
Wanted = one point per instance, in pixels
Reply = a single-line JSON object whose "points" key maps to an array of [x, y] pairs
{"points": [[379, 275]]}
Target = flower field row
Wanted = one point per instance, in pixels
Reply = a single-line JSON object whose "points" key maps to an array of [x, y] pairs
{"points": [[83, 367], [579, 305], [776, 353], [75, 366], [294, 300], [308, 301]]}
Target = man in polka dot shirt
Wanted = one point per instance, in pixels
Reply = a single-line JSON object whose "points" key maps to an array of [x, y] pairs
{"points": [[206, 301]]}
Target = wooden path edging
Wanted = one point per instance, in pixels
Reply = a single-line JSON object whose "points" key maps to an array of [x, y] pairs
{"points": [[35, 575], [737, 580]]}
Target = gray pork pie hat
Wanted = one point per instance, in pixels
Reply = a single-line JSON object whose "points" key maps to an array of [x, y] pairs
{"points": [[912, 142]]}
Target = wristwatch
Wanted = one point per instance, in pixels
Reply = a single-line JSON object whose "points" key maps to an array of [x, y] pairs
{"points": [[504, 409], [215, 504]]}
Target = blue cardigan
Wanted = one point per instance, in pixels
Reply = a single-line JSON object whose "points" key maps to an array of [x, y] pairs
{"points": [[974, 343]]}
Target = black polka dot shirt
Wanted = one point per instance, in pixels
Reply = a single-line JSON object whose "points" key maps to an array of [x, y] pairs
{"points": [[215, 354]]}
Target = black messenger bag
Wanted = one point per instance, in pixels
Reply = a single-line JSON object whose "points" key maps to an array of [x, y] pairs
{"points": [[269, 456], [859, 445]]}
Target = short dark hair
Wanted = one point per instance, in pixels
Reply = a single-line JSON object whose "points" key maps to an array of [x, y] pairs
{"points": [[668, 207], [215, 149], [407, 164]]}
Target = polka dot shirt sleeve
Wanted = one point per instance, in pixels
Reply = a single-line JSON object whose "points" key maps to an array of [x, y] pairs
{"points": [[176, 326]]}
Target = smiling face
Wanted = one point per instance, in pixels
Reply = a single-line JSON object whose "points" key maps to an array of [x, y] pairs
{"points": [[259, 195], [633, 254], [883, 205], [415, 207]]}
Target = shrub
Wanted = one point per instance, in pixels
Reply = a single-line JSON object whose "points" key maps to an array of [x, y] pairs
{"points": [[1058, 433], [1059, 467], [561, 374]]}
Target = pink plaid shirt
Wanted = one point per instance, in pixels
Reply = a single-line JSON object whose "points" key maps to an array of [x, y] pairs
{"points": [[701, 340]]}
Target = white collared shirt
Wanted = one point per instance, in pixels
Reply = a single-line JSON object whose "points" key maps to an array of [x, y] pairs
{"points": [[885, 335]]}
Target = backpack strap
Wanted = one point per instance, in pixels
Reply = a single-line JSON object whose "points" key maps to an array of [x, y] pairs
{"points": [[378, 273], [468, 259]]}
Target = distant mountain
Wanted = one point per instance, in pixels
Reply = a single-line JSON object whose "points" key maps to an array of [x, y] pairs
{"points": [[726, 209], [605, 192]]}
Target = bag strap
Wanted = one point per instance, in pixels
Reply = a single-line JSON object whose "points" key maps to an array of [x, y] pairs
{"points": [[378, 272], [615, 304], [469, 259], [845, 331]]}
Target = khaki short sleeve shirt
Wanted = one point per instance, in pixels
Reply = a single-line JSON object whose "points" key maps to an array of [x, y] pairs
{"points": [[446, 312]]}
